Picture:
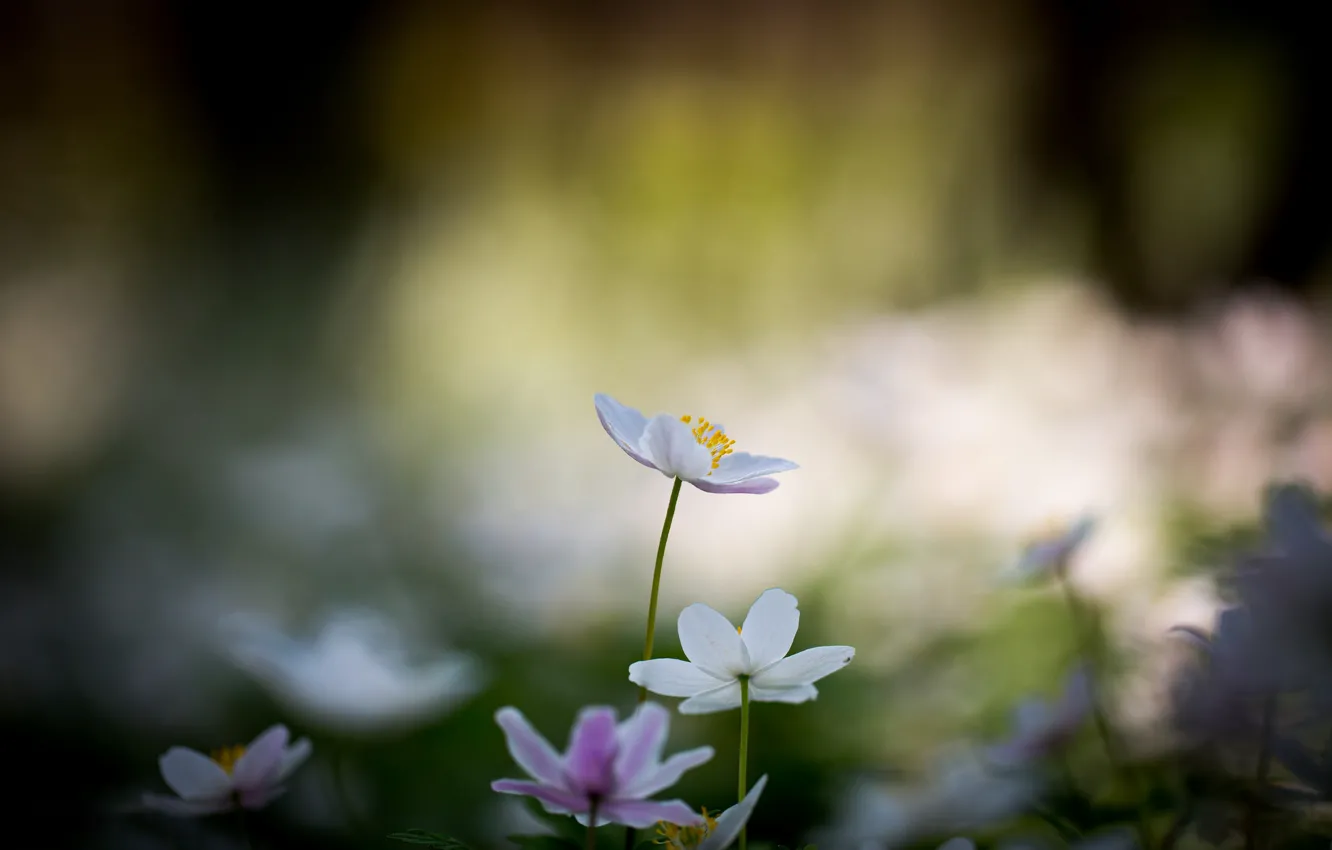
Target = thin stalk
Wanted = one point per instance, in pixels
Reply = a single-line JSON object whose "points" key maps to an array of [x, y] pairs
{"points": [[1260, 774], [656, 581], [1088, 638], [744, 748], [592, 824], [651, 635]]}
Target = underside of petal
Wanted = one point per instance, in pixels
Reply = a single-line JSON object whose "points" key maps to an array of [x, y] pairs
{"points": [[555, 800], [805, 668], [641, 814], [624, 425], [755, 486], [724, 698], [743, 466], [193, 775], [532, 752], [672, 677]]}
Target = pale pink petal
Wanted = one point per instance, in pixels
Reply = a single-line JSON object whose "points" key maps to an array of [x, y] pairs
{"points": [[529, 749], [770, 627], [624, 425], [555, 800], [665, 775], [712, 643], [724, 698], [805, 668], [743, 466], [642, 814], [262, 760], [753, 485], [672, 677], [589, 762], [257, 798], [639, 742], [193, 775], [185, 808]]}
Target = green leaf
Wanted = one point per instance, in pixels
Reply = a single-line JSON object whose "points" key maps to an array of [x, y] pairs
{"points": [[429, 839]]}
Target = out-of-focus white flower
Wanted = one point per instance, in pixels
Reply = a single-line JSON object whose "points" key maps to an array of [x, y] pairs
{"points": [[719, 654], [963, 794], [717, 833], [246, 776], [1049, 554], [1041, 728], [355, 676], [691, 449]]}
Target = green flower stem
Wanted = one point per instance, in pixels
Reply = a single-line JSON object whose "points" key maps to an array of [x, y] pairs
{"points": [[1251, 838], [651, 635], [744, 746], [656, 581], [592, 825], [1088, 637]]}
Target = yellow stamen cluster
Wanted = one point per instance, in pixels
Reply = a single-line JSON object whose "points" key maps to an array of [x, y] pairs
{"points": [[710, 437], [685, 837], [227, 757]]}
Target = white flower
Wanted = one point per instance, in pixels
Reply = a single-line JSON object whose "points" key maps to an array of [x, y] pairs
{"points": [[719, 654], [249, 777], [691, 449], [716, 833], [355, 676]]}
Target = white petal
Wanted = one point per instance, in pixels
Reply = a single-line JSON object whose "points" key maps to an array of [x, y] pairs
{"points": [[294, 757], [793, 695], [624, 425], [743, 466], [193, 775], [665, 775], [262, 760], [806, 667], [671, 447], [712, 643], [731, 821], [672, 677], [770, 627], [724, 698]]}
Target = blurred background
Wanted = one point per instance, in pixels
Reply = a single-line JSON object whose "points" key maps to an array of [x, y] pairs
{"points": [[302, 312]]}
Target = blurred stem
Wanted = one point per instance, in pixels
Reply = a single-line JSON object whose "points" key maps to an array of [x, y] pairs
{"points": [[341, 772], [244, 830], [656, 581], [592, 824], [1260, 773], [1090, 639], [651, 635], [744, 747], [1177, 827]]}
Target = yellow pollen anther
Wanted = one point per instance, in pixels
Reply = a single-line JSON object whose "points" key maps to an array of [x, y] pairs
{"points": [[227, 757], [685, 837], [710, 437]]}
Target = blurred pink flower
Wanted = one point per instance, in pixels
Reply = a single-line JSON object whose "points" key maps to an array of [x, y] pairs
{"points": [[248, 777]]}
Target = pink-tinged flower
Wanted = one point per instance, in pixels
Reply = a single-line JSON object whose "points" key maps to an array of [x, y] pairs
{"points": [[249, 777], [719, 654], [1041, 729], [689, 448], [615, 767]]}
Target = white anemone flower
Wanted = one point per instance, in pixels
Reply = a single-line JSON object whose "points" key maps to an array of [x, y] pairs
{"points": [[689, 448], [717, 833], [248, 777], [720, 654], [355, 676]]}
